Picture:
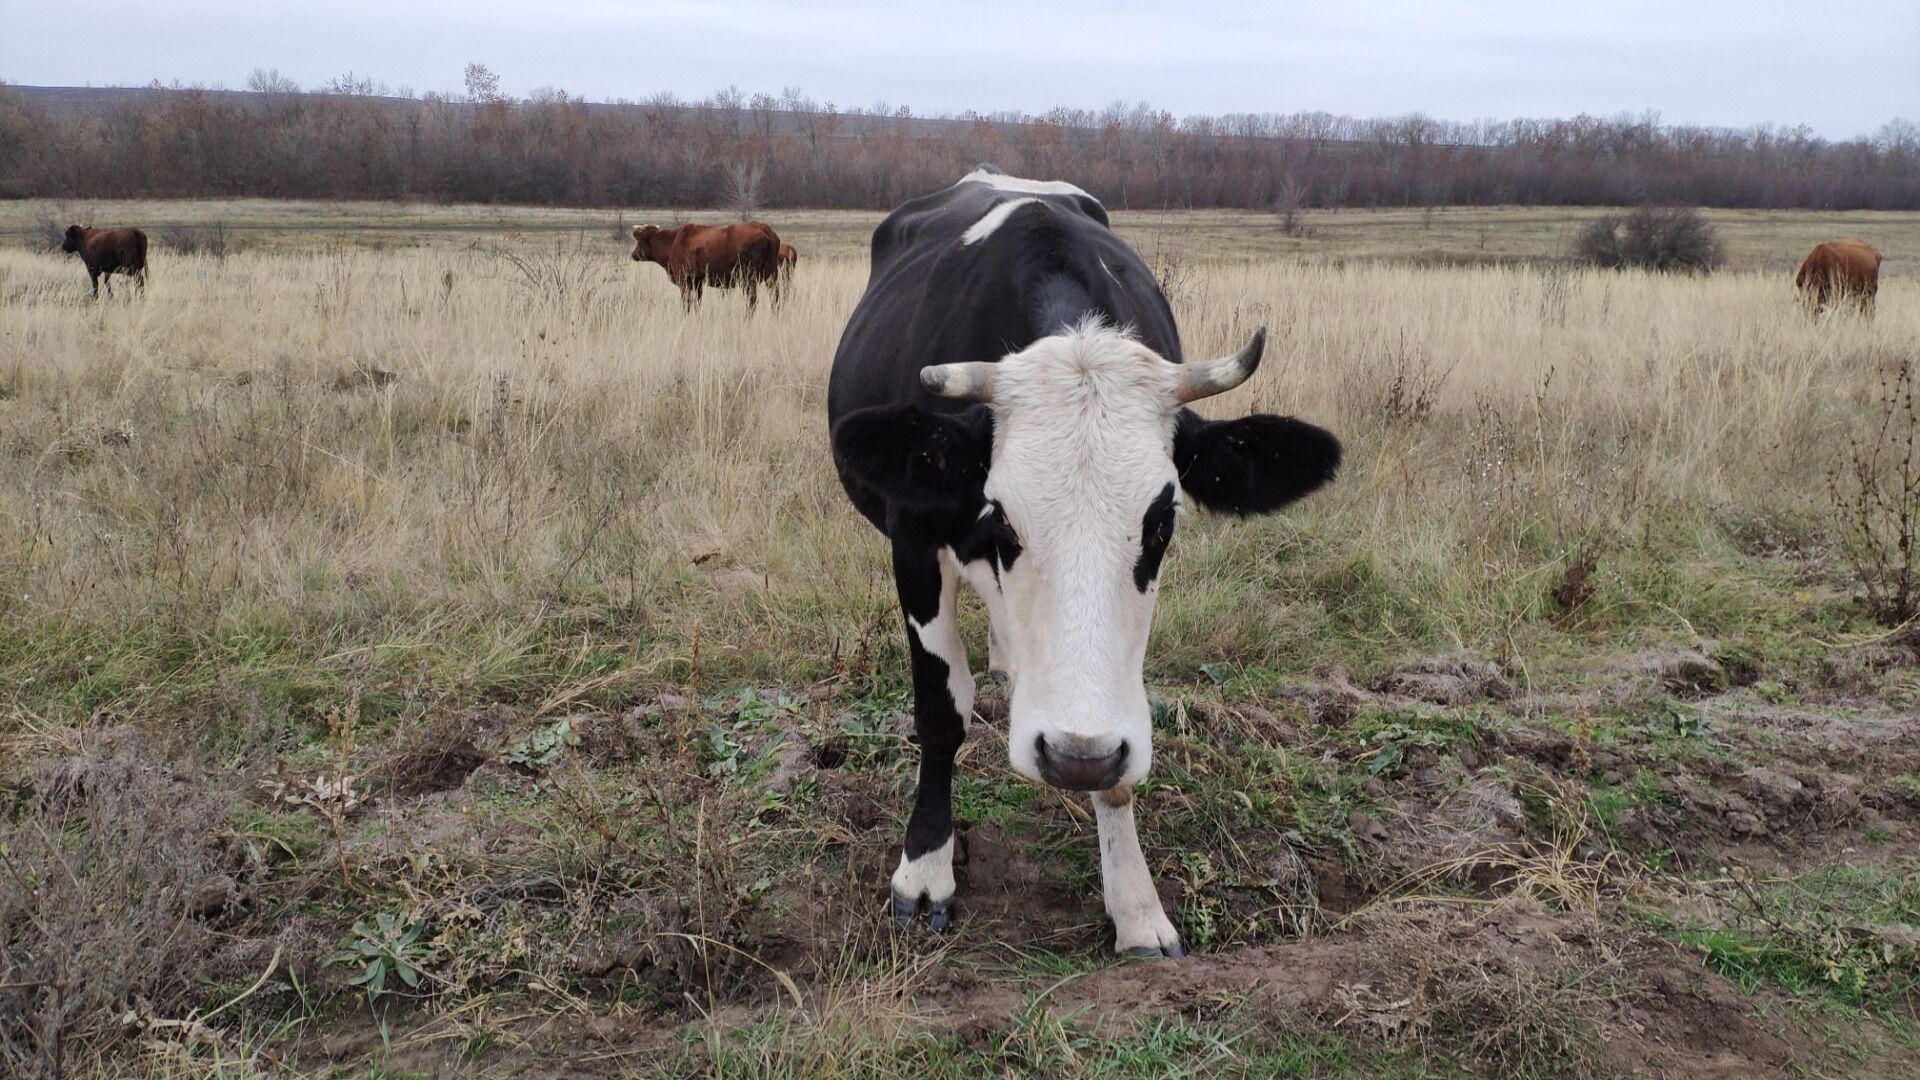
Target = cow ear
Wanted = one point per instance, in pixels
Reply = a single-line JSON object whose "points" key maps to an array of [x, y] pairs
{"points": [[1253, 465], [916, 457]]}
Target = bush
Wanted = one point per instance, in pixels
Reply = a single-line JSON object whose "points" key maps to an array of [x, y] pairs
{"points": [[109, 868], [1664, 239], [50, 231], [1876, 499]]}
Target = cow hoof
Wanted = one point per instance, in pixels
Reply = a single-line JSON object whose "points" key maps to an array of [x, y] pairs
{"points": [[905, 911], [1148, 952], [939, 914]]}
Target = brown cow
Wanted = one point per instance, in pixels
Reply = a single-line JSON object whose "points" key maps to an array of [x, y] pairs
{"points": [[1839, 271], [107, 250], [723, 256]]}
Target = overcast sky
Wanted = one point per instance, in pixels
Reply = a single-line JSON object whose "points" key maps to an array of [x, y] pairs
{"points": [[1842, 68]]}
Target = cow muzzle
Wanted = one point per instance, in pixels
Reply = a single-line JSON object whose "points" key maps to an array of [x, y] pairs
{"points": [[1080, 764]]}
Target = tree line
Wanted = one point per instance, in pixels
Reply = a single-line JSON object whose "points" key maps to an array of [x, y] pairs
{"points": [[351, 139]]}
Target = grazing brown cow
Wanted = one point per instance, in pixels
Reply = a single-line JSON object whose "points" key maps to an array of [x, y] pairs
{"points": [[723, 256], [107, 250], [1837, 272]]}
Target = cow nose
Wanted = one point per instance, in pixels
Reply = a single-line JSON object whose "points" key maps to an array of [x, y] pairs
{"points": [[1075, 766]]}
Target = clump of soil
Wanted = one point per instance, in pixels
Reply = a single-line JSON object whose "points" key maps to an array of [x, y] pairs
{"points": [[1450, 681]]}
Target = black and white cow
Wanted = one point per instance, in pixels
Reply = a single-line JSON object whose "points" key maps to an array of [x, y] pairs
{"points": [[1007, 406]]}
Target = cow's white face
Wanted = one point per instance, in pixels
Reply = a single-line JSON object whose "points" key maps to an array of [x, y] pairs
{"points": [[1081, 491], [1065, 503]]}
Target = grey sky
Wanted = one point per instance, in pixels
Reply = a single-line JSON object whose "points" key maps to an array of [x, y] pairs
{"points": [[1841, 68]]}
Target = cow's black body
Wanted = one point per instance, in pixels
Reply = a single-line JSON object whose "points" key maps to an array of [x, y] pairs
{"points": [[932, 300], [915, 463]]}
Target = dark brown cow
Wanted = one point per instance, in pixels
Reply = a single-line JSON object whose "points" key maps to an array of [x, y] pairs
{"points": [[1837, 272], [107, 250], [695, 256]]}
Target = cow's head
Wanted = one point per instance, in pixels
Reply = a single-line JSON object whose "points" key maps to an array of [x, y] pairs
{"points": [[645, 240], [1072, 472], [75, 234]]}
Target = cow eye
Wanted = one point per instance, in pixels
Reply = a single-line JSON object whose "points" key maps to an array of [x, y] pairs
{"points": [[993, 538]]}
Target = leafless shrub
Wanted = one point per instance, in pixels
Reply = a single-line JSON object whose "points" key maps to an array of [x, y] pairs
{"points": [[1407, 382], [209, 240], [1662, 239], [106, 878], [50, 229], [557, 275], [1289, 201], [1175, 273], [1875, 491], [744, 181]]}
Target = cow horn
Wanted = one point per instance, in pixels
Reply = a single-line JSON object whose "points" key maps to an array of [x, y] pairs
{"points": [[970, 380], [1217, 376]]}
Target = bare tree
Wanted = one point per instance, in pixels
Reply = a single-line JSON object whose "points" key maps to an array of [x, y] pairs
{"points": [[269, 81], [743, 187], [1291, 199], [276, 142], [482, 84]]}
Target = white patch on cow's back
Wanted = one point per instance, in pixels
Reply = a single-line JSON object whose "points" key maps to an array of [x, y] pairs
{"points": [[929, 876], [1021, 186], [992, 220]]}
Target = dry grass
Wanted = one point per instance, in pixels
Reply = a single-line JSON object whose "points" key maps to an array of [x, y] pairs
{"points": [[102, 874], [410, 484], [440, 465]]}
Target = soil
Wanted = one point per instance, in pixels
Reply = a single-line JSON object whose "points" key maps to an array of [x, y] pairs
{"points": [[1392, 951]]}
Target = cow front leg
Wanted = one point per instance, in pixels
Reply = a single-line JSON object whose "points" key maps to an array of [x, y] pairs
{"points": [[95, 278], [1140, 925], [928, 582]]}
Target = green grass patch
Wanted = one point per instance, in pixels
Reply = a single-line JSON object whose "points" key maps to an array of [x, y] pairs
{"points": [[1845, 935]]}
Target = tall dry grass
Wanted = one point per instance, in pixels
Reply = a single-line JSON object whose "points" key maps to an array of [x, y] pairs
{"points": [[469, 479]]}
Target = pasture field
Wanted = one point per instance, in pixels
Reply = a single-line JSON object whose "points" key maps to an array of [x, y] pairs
{"points": [[425, 651], [1756, 240]]}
